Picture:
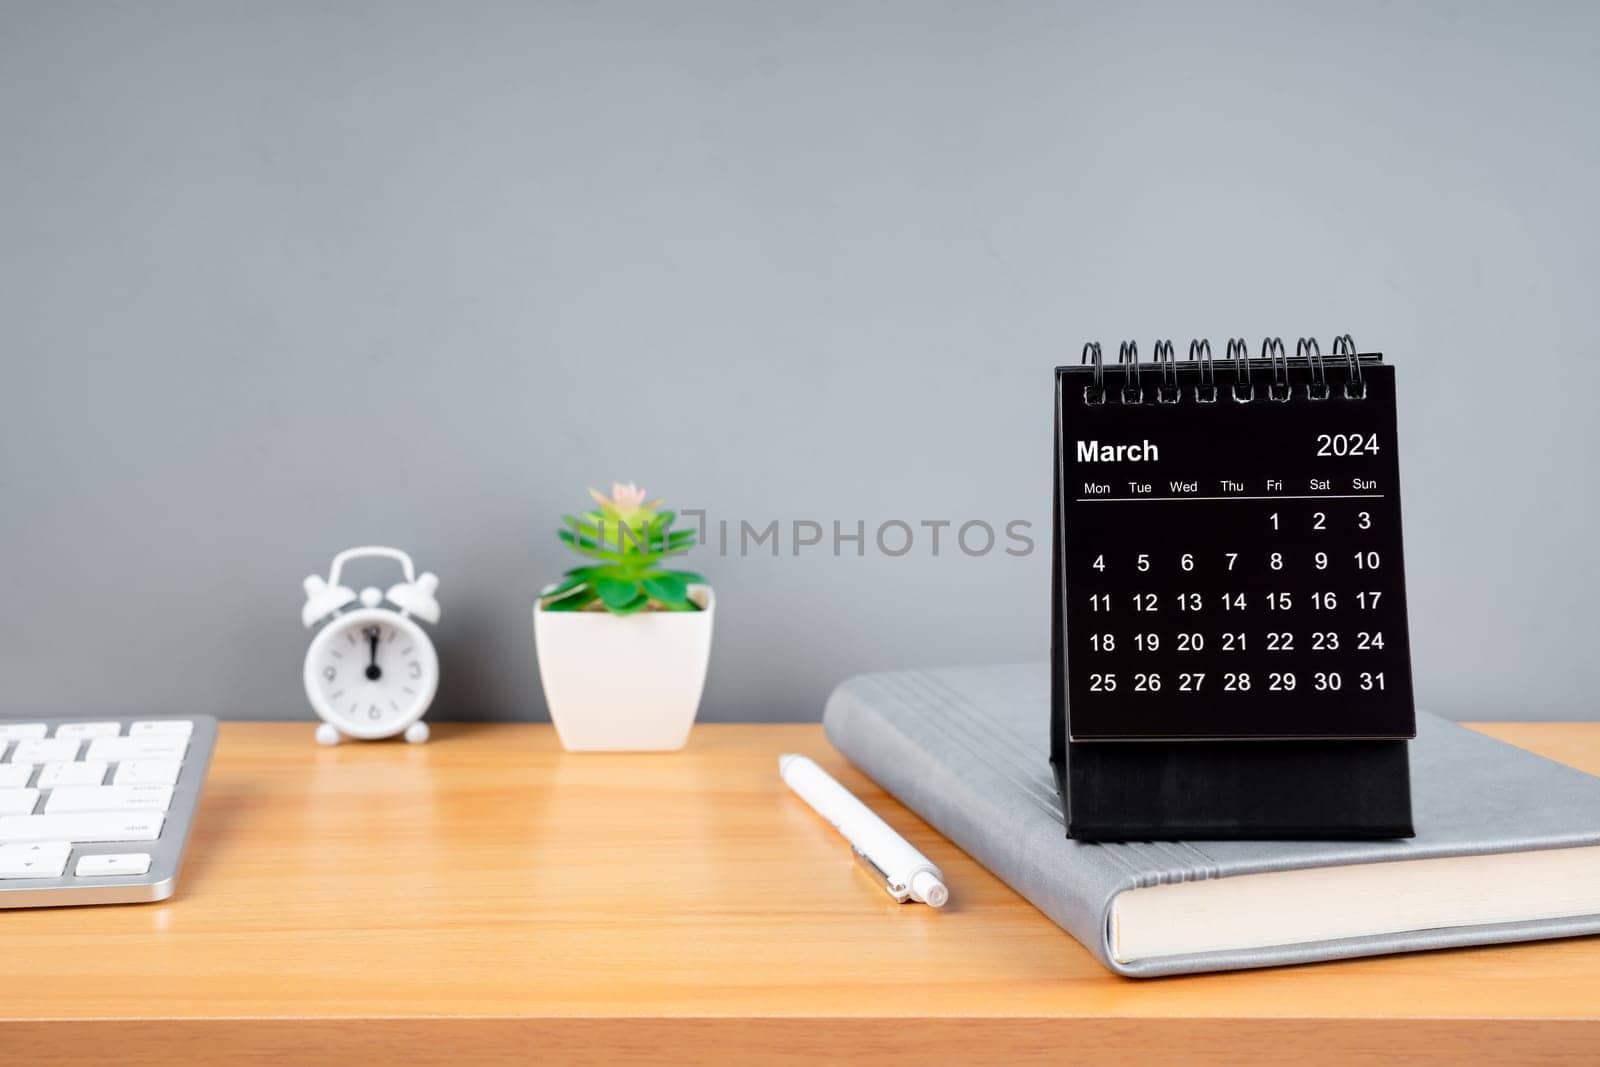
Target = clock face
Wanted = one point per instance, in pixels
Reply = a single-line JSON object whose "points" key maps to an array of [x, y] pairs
{"points": [[371, 673]]}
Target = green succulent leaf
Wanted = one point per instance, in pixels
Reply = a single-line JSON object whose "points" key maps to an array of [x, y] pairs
{"points": [[565, 586], [586, 546], [577, 540], [667, 588], [575, 602], [616, 594], [636, 604], [634, 540]]}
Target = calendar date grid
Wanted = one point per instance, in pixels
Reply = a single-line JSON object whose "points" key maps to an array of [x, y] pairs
{"points": [[1282, 603]]}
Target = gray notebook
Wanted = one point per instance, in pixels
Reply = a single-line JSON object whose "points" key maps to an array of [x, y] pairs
{"points": [[1506, 845]]}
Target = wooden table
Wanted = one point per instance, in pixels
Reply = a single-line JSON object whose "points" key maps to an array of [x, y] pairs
{"points": [[488, 898]]}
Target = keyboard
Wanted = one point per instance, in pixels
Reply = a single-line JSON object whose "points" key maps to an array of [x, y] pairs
{"points": [[97, 812]]}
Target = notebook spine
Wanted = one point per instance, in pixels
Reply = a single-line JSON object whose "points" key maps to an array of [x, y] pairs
{"points": [[1264, 377]]}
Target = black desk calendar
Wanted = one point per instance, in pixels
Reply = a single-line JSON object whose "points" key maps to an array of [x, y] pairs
{"points": [[1230, 647]]}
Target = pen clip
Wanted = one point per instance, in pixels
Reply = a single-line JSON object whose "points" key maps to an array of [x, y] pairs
{"points": [[901, 893]]}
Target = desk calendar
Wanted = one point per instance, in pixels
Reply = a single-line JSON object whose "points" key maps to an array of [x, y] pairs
{"points": [[1229, 568]]}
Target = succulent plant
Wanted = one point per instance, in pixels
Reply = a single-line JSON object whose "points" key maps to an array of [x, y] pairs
{"points": [[628, 539]]}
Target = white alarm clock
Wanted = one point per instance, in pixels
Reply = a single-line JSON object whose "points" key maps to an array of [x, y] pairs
{"points": [[371, 672]]}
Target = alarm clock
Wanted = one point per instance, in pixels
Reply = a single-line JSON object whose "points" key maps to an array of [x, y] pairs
{"points": [[371, 671]]}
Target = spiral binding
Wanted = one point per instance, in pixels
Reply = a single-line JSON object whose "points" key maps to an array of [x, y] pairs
{"points": [[1168, 392], [1272, 348], [1354, 388], [1239, 352], [1273, 357], [1128, 360], [1094, 393], [1205, 390]]}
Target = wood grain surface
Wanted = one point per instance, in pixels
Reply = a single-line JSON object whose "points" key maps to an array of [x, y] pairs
{"points": [[487, 897]]}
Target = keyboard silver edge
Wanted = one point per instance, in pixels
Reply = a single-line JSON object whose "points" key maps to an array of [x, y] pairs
{"points": [[166, 852], [129, 891]]}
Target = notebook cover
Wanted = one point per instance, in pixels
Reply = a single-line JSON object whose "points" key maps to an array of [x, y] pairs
{"points": [[967, 750]]}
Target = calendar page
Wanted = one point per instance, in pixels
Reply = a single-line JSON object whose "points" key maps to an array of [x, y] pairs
{"points": [[1230, 559]]}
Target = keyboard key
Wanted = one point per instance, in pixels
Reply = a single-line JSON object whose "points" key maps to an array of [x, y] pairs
{"points": [[162, 728], [22, 731], [149, 746], [18, 801], [95, 826], [13, 775], [129, 863], [53, 775], [89, 729], [142, 772], [36, 750], [43, 860], [106, 798]]}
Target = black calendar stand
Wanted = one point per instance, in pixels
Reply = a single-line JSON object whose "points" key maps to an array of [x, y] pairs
{"points": [[1230, 654]]}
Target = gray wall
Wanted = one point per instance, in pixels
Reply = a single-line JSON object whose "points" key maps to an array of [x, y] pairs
{"points": [[280, 278]]}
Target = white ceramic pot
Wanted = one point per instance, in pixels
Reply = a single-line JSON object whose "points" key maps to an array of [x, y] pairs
{"points": [[624, 683]]}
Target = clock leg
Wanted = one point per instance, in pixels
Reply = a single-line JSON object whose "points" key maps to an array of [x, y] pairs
{"points": [[327, 735], [417, 733]]}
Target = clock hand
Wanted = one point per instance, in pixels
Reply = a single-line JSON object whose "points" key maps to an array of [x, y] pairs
{"points": [[374, 672]]}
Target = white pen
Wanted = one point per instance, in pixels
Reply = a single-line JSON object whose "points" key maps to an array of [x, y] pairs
{"points": [[906, 873]]}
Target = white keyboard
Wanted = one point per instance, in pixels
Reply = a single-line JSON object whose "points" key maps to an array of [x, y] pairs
{"points": [[97, 811]]}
